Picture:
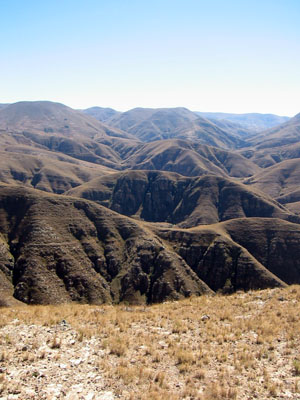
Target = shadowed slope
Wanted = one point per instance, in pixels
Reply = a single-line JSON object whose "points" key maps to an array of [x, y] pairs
{"points": [[273, 242], [57, 249], [220, 261], [167, 197]]}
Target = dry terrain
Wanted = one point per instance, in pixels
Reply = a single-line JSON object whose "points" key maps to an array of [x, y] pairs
{"points": [[145, 206], [242, 346]]}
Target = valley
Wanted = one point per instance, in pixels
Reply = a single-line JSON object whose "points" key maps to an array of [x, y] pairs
{"points": [[145, 206]]}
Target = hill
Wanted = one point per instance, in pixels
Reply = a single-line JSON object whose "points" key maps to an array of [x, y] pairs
{"points": [[102, 114], [190, 159], [280, 181], [233, 128], [160, 205], [53, 118], [149, 124], [59, 249], [282, 135], [255, 122], [56, 249], [206, 132], [45, 170], [158, 196]]}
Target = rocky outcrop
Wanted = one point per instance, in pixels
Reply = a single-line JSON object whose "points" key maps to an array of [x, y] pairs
{"points": [[273, 242], [219, 261]]}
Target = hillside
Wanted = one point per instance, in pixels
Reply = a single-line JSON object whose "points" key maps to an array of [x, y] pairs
{"points": [[49, 117], [190, 159], [207, 132], [148, 124], [45, 170], [57, 249], [282, 135], [239, 347], [279, 179], [60, 249], [153, 205], [167, 197], [157, 124], [252, 121], [102, 114], [231, 127]]}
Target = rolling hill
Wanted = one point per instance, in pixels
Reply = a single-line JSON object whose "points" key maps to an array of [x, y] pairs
{"points": [[102, 114], [54, 118], [252, 121], [190, 159], [149, 125], [45, 170], [59, 249], [144, 206], [282, 135], [158, 196]]}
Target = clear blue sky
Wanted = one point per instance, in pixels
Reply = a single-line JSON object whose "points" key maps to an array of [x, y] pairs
{"points": [[231, 56]]}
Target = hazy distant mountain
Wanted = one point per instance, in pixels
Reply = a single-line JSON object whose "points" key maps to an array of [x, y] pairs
{"points": [[2, 105], [281, 135], [102, 114], [149, 124], [275, 145], [253, 121], [54, 118], [205, 131], [233, 128]]}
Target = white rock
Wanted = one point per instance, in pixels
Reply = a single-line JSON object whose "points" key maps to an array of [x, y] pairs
{"points": [[106, 396], [76, 361]]}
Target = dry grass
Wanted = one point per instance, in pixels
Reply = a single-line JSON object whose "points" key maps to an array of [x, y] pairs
{"points": [[246, 348]]}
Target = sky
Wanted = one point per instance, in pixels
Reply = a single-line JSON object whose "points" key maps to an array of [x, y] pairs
{"points": [[228, 56]]}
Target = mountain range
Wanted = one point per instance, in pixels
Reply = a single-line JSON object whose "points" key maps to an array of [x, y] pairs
{"points": [[145, 205]]}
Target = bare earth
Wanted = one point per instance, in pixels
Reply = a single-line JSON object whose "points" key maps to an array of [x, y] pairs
{"points": [[243, 346]]}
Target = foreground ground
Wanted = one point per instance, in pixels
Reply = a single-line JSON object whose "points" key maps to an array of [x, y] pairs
{"points": [[243, 346]]}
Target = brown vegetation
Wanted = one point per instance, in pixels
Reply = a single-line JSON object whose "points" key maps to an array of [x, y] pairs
{"points": [[236, 347]]}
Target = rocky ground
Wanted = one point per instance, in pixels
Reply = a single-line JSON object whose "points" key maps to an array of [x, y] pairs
{"points": [[243, 346]]}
